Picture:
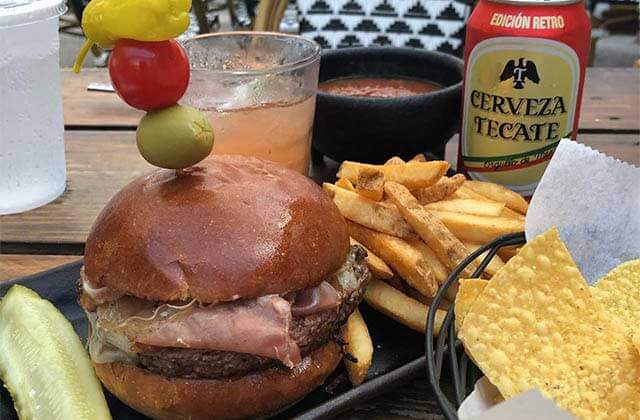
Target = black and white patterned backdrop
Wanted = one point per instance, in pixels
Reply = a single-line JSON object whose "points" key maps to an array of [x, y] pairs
{"points": [[437, 25]]}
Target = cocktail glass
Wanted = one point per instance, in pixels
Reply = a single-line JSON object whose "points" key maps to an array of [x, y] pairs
{"points": [[259, 92]]}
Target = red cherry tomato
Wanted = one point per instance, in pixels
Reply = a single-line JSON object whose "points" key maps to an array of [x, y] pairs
{"points": [[149, 75]]}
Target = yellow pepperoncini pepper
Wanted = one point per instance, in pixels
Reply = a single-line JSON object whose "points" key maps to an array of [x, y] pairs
{"points": [[106, 21]]}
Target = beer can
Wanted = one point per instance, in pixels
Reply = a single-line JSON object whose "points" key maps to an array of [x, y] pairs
{"points": [[524, 72]]}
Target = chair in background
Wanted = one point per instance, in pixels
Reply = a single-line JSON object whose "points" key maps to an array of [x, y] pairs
{"points": [[205, 12], [70, 25], [611, 18], [205, 19], [437, 25]]}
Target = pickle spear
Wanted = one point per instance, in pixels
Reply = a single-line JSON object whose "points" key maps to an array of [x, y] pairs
{"points": [[43, 363]]}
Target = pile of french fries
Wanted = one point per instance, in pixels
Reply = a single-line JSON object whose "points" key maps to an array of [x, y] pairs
{"points": [[417, 225]]}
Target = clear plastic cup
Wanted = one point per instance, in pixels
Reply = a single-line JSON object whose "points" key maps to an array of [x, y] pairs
{"points": [[259, 92], [32, 163]]}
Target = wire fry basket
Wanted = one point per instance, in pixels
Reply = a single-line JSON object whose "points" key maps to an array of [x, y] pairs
{"points": [[463, 372]]}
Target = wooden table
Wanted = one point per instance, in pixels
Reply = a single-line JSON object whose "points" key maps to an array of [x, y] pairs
{"points": [[102, 158]]}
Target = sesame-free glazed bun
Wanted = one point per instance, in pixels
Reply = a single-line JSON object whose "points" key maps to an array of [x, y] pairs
{"points": [[232, 227], [261, 393]]}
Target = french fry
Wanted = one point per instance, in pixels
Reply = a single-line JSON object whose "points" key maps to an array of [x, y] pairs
{"points": [[346, 184], [414, 294], [442, 189], [499, 193], [440, 272], [464, 192], [478, 229], [512, 214], [419, 158], [400, 255], [356, 334], [376, 265], [495, 264], [380, 216], [508, 252], [400, 307], [468, 206], [370, 184], [435, 234], [395, 160], [414, 175], [458, 194]]}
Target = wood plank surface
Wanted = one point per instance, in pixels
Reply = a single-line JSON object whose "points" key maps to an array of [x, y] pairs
{"points": [[611, 101], [101, 162], [84, 109], [14, 266]]}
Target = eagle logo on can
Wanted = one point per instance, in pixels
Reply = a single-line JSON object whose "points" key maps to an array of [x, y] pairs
{"points": [[520, 72]]}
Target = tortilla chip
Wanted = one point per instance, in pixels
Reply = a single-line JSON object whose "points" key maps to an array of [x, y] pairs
{"points": [[468, 292], [619, 293], [536, 325]]}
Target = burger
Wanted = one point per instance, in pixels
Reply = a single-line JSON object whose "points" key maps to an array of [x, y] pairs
{"points": [[218, 291]]}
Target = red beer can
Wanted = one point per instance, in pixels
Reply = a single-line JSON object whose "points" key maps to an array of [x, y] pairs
{"points": [[524, 72]]}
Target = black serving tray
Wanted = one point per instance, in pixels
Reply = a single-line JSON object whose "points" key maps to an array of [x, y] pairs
{"points": [[398, 354]]}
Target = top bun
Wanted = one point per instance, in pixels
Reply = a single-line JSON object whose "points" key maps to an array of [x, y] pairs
{"points": [[232, 227]]}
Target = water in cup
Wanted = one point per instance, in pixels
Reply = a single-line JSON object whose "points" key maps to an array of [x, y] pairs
{"points": [[32, 162]]}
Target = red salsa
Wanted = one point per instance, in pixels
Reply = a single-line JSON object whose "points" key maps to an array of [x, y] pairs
{"points": [[377, 87]]}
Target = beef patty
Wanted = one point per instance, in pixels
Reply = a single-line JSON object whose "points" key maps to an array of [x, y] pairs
{"points": [[309, 332]]}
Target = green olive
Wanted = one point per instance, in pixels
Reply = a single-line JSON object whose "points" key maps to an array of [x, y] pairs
{"points": [[174, 137]]}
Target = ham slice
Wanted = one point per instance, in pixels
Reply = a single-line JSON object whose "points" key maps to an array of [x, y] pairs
{"points": [[316, 299], [259, 326]]}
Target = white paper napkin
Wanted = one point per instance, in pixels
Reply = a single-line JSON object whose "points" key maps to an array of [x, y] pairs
{"points": [[530, 405], [594, 201]]}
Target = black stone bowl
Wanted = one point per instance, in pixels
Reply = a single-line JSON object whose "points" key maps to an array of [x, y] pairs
{"points": [[373, 129]]}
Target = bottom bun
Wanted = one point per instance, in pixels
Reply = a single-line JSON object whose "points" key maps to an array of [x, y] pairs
{"points": [[261, 393]]}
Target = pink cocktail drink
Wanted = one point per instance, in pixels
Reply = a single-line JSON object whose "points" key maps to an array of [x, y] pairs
{"points": [[259, 92], [277, 132]]}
